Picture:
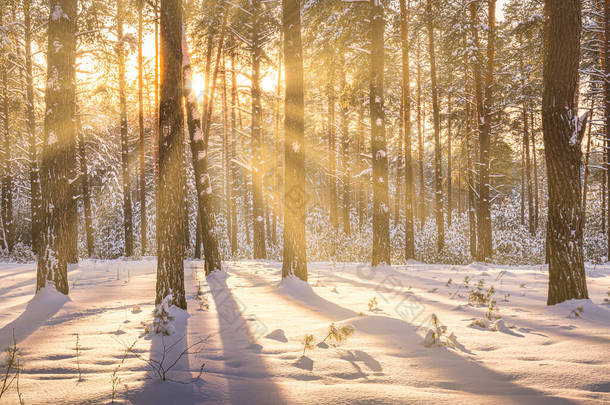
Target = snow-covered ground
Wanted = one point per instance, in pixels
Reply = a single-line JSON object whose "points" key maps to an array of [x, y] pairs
{"points": [[250, 338]]}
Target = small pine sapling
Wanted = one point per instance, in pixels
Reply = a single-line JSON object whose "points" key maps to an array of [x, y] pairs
{"points": [[161, 323], [436, 335], [373, 304], [307, 343], [337, 335]]}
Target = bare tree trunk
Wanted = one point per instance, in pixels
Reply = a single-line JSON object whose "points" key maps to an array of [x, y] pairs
{"points": [[260, 251], [332, 151], [606, 70], [59, 133], [7, 178], [30, 118], [585, 187], [438, 174], [84, 183], [226, 145], [563, 132], [295, 254], [234, 169], [420, 142], [199, 156], [536, 202], [405, 9], [171, 198], [449, 164], [127, 208], [345, 150], [141, 128], [381, 207]]}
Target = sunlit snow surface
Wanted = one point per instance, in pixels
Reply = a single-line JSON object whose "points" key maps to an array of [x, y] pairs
{"points": [[255, 325]]}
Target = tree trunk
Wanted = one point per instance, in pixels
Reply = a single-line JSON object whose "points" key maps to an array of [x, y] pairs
{"points": [[483, 103], [332, 151], [405, 8], [420, 142], [260, 251], [449, 164], [606, 70], [142, 191], [84, 182], [381, 207], [438, 174], [295, 252], [563, 132], [127, 208], [59, 133], [234, 168], [472, 225], [199, 156], [30, 118], [171, 197], [7, 178], [345, 150], [536, 203]]}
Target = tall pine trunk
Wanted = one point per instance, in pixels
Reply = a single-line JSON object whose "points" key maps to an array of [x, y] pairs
{"points": [[563, 132], [171, 193], [406, 123], [142, 190], [30, 118], [127, 208], [438, 172], [199, 156], [381, 207], [295, 254], [84, 183], [59, 133], [7, 178], [258, 225]]}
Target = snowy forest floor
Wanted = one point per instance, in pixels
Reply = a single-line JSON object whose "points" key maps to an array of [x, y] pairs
{"points": [[253, 331]]}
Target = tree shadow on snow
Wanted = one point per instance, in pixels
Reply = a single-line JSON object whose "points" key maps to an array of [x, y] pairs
{"points": [[249, 381]]}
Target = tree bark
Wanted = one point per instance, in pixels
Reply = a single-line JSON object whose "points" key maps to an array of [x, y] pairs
{"points": [[420, 142], [563, 132], [171, 197], [199, 156], [405, 8], [30, 118], [84, 183], [381, 207], [142, 191], [57, 157], [127, 208], [438, 173], [295, 252], [260, 251]]}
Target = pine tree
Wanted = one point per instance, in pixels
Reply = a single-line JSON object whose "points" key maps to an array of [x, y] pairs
{"points": [[381, 207], [171, 197], [57, 157], [295, 252], [438, 171], [127, 208], [563, 132]]}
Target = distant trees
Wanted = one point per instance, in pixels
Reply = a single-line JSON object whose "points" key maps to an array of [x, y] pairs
{"points": [[57, 155], [563, 131]]}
